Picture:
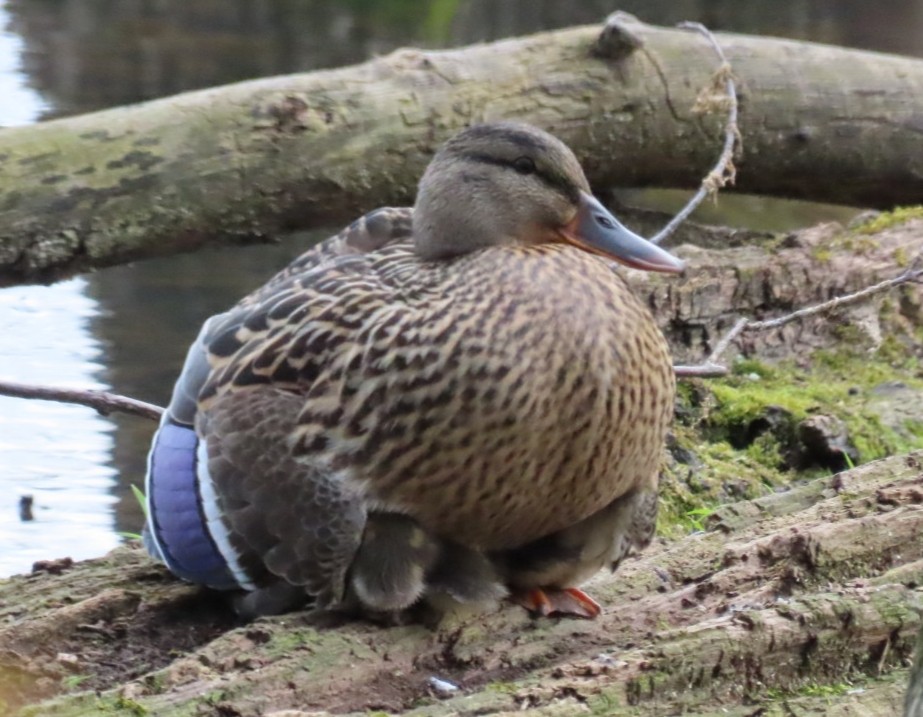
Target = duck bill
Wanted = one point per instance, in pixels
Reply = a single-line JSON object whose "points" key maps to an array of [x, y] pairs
{"points": [[594, 229]]}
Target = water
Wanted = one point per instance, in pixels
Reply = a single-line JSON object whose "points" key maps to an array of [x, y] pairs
{"points": [[20, 105], [128, 328], [57, 454]]}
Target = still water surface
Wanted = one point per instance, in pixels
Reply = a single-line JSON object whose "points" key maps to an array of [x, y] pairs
{"points": [[59, 455], [127, 329]]}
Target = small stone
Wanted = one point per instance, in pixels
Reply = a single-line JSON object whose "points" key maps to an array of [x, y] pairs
{"points": [[52, 567], [68, 660], [442, 688], [609, 661], [25, 508], [825, 441]]}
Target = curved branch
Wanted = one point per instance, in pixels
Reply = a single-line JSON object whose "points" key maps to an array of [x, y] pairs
{"points": [[724, 171]]}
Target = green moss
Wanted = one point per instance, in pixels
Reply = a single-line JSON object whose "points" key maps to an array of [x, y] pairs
{"points": [[767, 451], [838, 385], [604, 703], [886, 220], [72, 682], [130, 706], [821, 253], [285, 642], [751, 367], [738, 435], [154, 683], [895, 352], [914, 428], [689, 495], [849, 335], [740, 403], [686, 394]]}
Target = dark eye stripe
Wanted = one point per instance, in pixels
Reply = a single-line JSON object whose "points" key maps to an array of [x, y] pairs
{"points": [[556, 182]]}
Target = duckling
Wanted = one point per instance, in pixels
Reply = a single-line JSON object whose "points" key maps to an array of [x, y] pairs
{"points": [[461, 398]]}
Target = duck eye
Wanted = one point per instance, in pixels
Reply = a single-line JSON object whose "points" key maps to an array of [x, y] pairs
{"points": [[524, 165]]}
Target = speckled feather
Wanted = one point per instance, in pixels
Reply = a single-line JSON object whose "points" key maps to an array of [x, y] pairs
{"points": [[392, 356], [456, 404]]}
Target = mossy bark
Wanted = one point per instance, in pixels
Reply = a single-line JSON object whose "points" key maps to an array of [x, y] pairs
{"points": [[803, 594], [248, 161], [806, 267]]}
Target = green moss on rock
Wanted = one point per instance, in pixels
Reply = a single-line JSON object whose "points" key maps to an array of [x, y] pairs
{"points": [[886, 220], [737, 437]]}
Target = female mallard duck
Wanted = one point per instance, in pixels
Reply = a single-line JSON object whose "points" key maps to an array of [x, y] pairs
{"points": [[461, 398]]}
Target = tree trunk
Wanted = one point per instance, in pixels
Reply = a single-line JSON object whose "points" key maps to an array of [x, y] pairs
{"points": [[248, 161]]}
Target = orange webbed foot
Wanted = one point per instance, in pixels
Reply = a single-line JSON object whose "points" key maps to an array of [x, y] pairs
{"points": [[546, 602]]}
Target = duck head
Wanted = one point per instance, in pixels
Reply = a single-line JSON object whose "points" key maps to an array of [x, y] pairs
{"points": [[507, 184]]}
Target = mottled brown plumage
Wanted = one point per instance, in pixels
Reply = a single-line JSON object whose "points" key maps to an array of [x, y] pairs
{"points": [[463, 365]]}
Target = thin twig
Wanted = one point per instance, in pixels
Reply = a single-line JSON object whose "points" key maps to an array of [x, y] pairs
{"points": [[725, 341], [700, 370], [914, 272], [723, 172], [711, 366], [884, 655], [103, 401]]}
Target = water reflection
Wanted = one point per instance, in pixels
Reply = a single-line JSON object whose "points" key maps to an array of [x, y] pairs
{"points": [[20, 105], [83, 55], [87, 54], [53, 455], [56, 453]]}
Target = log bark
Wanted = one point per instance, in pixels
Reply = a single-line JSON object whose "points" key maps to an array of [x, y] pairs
{"points": [[796, 590], [249, 161], [913, 702], [762, 281]]}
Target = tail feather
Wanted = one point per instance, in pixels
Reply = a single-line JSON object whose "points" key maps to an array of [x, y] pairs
{"points": [[176, 531]]}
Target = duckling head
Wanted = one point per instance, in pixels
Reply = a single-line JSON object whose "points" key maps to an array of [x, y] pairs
{"points": [[513, 184]]}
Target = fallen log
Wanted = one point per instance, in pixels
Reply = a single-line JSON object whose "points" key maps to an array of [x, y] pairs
{"points": [[249, 161], [803, 599], [814, 586]]}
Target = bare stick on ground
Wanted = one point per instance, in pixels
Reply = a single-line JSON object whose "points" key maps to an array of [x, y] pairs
{"points": [[711, 367]]}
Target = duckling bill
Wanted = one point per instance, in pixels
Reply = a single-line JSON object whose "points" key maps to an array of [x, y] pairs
{"points": [[460, 399]]}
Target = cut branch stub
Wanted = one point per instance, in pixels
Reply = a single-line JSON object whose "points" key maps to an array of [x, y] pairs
{"points": [[617, 39]]}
